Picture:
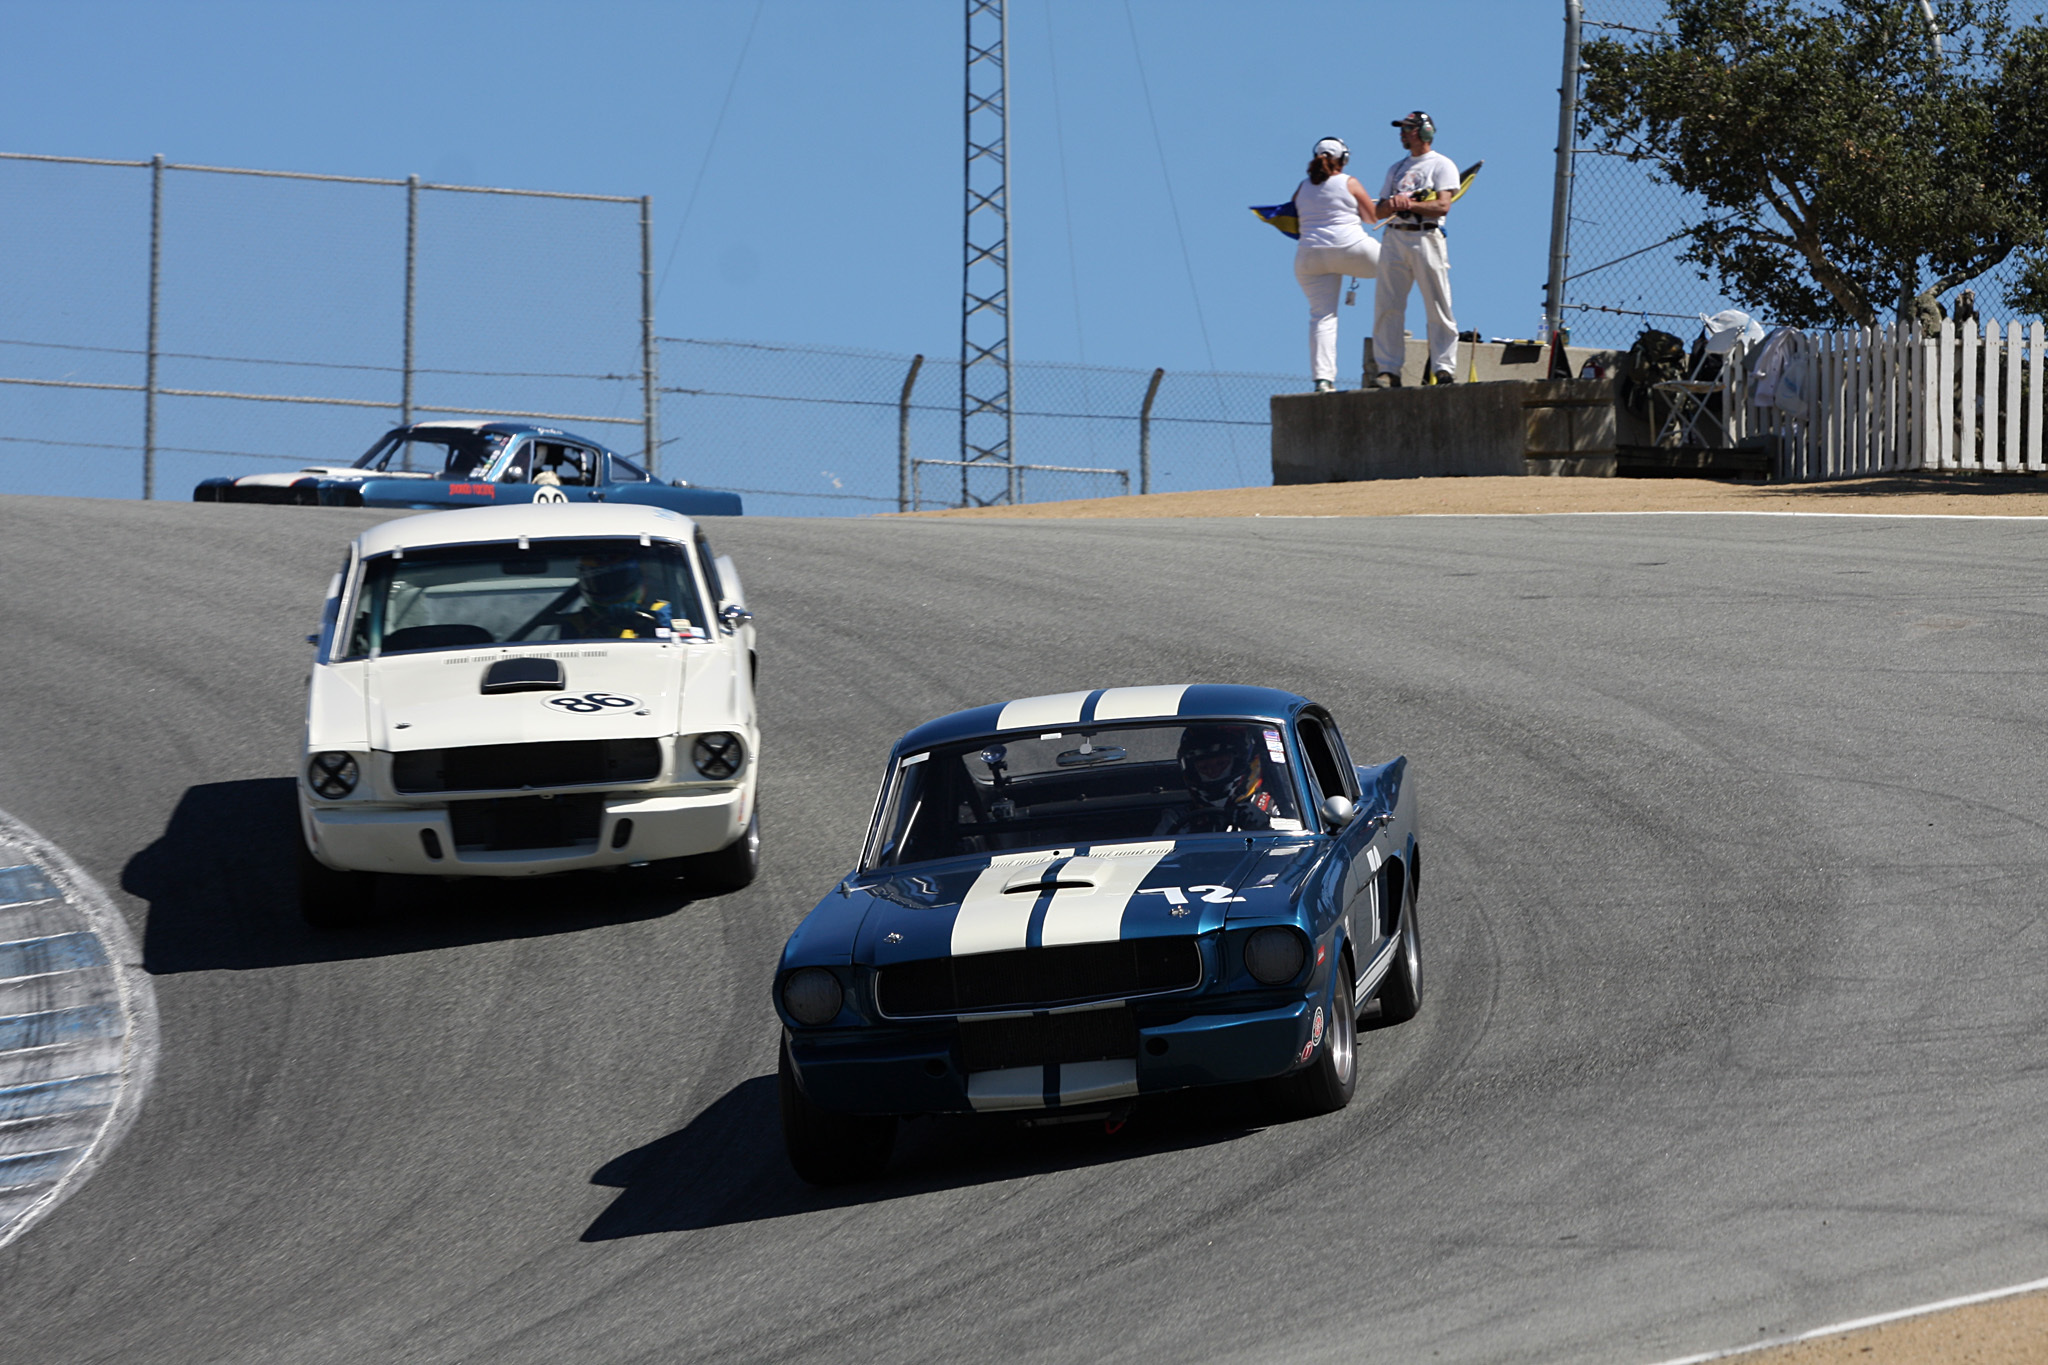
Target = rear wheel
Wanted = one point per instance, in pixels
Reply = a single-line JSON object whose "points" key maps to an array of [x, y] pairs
{"points": [[729, 869], [828, 1148], [1325, 1085], [330, 899], [1400, 990]]}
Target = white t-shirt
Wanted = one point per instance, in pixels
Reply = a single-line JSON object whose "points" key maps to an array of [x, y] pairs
{"points": [[1328, 213], [1412, 175]]}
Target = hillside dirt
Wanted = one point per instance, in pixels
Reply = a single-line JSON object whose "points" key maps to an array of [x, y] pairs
{"points": [[2010, 1331], [2010, 495]]}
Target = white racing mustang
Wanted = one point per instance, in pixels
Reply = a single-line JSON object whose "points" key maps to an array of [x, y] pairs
{"points": [[508, 691]]}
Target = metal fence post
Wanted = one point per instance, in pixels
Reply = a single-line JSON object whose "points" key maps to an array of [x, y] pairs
{"points": [[412, 259], [1561, 192], [903, 435], [650, 358], [1145, 433], [156, 259]]}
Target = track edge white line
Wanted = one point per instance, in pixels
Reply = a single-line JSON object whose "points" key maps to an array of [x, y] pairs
{"points": [[1859, 1324]]}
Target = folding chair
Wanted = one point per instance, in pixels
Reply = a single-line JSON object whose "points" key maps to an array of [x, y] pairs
{"points": [[1695, 409]]}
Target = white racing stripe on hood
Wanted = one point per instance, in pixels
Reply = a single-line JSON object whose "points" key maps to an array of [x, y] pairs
{"points": [[1137, 703], [1042, 713], [1036, 855], [990, 921], [1095, 914]]}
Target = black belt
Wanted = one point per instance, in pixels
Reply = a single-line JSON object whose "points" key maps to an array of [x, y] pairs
{"points": [[1417, 227]]}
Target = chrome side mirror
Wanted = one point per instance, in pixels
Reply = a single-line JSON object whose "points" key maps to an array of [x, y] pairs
{"points": [[1337, 812]]}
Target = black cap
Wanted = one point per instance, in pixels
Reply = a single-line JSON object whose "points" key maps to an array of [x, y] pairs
{"points": [[1418, 120]]}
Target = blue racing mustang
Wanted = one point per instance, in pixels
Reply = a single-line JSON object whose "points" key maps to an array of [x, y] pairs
{"points": [[473, 464], [1068, 902]]}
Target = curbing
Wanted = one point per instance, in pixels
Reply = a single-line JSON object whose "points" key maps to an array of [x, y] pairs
{"points": [[137, 1000]]}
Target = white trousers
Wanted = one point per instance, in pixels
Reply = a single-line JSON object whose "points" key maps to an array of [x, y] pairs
{"points": [[1413, 258], [1320, 271]]}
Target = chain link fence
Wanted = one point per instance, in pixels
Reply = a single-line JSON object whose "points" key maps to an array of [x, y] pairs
{"points": [[161, 323], [1627, 227], [813, 430]]}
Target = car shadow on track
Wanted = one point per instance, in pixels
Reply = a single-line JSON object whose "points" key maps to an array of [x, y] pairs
{"points": [[222, 886], [726, 1166]]}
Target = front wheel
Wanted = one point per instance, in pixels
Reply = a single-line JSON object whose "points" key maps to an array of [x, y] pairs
{"points": [[1325, 1085], [828, 1148], [731, 868], [1400, 991]]}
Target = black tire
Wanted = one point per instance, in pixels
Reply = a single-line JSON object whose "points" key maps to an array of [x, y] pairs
{"points": [[1324, 1086], [1400, 992], [827, 1148], [731, 868], [330, 899]]}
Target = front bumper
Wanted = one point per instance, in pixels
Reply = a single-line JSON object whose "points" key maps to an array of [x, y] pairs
{"points": [[916, 1068], [388, 838]]}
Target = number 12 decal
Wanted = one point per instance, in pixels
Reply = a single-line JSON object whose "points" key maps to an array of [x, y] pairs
{"points": [[1216, 895]]}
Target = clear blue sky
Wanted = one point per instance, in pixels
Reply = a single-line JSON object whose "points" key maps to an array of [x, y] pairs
{"points": [[828, 208]]}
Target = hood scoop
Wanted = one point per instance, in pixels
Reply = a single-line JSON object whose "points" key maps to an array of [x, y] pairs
{"points": [[524, 674], [1035, 882]]}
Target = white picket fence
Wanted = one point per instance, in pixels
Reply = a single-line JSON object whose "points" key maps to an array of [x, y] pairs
{"points": [[1887, 399]]}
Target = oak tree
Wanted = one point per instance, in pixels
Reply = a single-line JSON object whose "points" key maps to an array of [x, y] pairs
{"points": [[1848, 153]]}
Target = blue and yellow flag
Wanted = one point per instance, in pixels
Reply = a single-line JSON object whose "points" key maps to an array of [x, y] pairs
{"points": [[1286, 218], [1282, 216]]}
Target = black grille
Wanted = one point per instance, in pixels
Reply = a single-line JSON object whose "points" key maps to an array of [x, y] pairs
{"points": [[1028, 977], [1086, 1036], [498, 767], [516, 822]]}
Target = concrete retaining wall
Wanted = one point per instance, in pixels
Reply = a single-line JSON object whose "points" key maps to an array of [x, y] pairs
{"points": [[1513, 427]]}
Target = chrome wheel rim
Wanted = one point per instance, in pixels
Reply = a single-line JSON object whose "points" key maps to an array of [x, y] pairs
{"points": [[1343, 1035], [1411, 948]]}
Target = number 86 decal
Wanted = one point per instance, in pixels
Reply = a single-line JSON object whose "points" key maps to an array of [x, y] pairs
{"points": [[590, 703]]}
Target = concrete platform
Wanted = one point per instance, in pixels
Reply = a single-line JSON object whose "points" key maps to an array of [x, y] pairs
{"points": [[1510, 427]]}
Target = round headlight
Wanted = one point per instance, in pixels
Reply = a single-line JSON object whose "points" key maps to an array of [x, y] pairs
{"points": [[1274, 955], [718, 755], [812, 995], [333, 775]]}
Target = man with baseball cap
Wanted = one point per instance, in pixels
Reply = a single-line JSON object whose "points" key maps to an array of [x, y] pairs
{"points": [[1416, 196]]}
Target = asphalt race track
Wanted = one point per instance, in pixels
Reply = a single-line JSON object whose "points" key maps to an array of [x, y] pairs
{"points": [[1731, 916]]}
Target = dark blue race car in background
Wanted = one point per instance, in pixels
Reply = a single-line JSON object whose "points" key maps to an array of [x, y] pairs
{"points": [[474, 464], [1069, 902]]}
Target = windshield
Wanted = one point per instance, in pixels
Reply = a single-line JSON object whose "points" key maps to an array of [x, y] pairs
{"points": [[1089, 785], [451, 452], [464, 596]]}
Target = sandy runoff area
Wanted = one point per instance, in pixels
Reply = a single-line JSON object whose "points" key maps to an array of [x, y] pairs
{"points": [[2010, 495]]}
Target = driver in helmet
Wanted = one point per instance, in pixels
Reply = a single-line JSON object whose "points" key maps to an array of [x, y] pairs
{"points": [[613, 606], [1226, 781]]}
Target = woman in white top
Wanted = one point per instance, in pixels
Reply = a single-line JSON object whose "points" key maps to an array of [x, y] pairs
{"points": [[1334, 211]]}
